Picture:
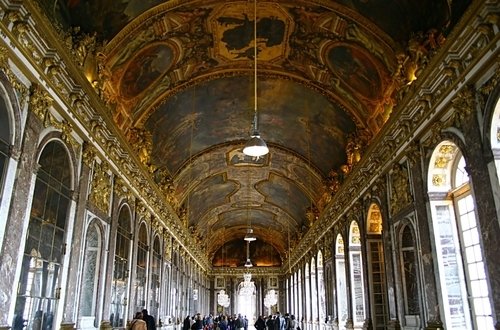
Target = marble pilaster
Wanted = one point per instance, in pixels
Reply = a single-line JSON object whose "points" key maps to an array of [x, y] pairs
{"points": [[430, 299], [76, 251], [18, 218]]}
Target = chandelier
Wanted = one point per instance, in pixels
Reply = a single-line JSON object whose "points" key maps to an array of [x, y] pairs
{"points": [[223, 299], [270, 299], [247, 287]]}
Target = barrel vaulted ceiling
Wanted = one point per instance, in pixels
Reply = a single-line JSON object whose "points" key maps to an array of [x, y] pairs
{"points": [[178, 77]]}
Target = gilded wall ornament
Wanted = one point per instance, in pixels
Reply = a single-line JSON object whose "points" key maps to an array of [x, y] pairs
{"points": [[167, 247], [374, 220], [19, 87], [400, 188], [89, 154], [465, 104], [100, 188], [312, 215], [80, 44], [142, 141], [121, 189], [40, 101], [353, 150], [142, 211], [438, 180]]}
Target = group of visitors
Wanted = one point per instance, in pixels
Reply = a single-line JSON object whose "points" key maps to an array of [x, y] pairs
{"points": [[143, 321], [240, 322], [277, 322]]}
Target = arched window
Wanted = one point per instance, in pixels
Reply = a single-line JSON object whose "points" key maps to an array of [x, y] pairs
{"points": [[90, 276], [155, 279], [341, 279], [5, 138], [495, 136], [38, 294], [376, 268], [300, 310], [141, 268], [121, 271], [174, 292], [321, 289], [307, 283], [295, 293], [462, 275], [357, 287], [314, 292]]}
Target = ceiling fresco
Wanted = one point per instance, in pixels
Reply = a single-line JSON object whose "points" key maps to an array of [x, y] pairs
{"points": [[220, 111], [178, 78]]}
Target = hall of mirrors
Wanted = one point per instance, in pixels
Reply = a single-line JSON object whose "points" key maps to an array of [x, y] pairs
{"points": [[409, 241]]}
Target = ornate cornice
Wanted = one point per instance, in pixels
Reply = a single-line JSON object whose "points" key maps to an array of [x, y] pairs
{"points": [[473, 44], [59, 83]]}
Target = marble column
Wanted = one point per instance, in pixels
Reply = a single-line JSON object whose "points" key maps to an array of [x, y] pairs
{"points": [[388, 239], [477, 159], [72, 287]]}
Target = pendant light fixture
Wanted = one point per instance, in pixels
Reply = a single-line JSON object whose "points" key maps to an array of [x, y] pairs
{"points": [[248, 263], [249, 236], [255, 146]]}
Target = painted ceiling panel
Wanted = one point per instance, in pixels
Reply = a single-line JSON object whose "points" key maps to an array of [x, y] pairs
{"points": [[217, 111]]}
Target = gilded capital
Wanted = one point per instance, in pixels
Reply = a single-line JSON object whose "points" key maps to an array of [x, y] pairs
{"points": [[464, 104]]}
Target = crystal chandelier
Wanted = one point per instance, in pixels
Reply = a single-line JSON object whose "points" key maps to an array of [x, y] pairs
{"points": [[223, 299], [270, 299], [247, 287]]}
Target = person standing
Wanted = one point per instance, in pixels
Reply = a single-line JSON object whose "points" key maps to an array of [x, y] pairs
{"points": [[260, 324], [270, 322], [138, 323], [240, 324], [223, 323], [149, 319], [279, 322], [245, 323], [186, 325]]}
